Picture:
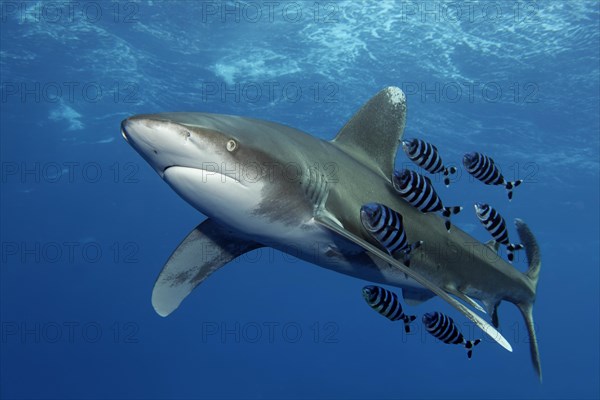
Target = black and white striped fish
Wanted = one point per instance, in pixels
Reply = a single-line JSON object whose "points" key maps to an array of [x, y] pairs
{"points": [[443, 327], [387, 304], [483, 168], [495, 224], [418, 191], [385, 225], [426, 156]]}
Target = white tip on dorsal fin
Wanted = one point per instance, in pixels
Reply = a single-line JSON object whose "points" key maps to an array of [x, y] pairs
{"points": [[374, 132]]}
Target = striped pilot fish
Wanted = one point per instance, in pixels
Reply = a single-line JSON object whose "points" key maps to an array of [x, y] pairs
{"points": [[426, 156], [418, 191], [387, 304], [385, 226], [495, 224], [483, 168], [443, 328]]}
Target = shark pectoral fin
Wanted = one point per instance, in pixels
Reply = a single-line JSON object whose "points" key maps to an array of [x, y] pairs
{"points": [[466, 299], [414, 297], [381, 259], [204, 250], [374, 132]]}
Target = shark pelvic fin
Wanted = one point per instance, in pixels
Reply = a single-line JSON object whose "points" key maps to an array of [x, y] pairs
{"points": [[373, 134], [205, 249], [383, 260], [414, 297]]}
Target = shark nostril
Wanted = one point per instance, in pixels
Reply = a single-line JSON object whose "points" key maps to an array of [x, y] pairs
{"points": [[155, 152]]}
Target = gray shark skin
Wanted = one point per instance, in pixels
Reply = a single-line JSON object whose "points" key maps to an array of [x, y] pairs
{"points": [[265, 184]]}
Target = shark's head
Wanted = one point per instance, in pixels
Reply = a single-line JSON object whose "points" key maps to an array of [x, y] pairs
{"points": [[370, 216], [470, 160], [369, 293], [219, 164]]}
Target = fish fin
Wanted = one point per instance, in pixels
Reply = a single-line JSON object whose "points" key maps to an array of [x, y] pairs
{"points": [[469, 344], [383, 260], [532, 251], [492, 310], [373, 134], [510, 249], [414, 297], [466, 299], [447, 172], [527, 312], [407, 320], [447, 212], [208, 247], [510, 186]]}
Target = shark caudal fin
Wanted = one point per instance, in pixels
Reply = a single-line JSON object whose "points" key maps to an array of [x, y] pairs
{"points": [[375, 131], [532, 250]]}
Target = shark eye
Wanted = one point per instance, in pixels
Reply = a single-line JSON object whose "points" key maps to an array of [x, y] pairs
{"points": [[231, 145]]}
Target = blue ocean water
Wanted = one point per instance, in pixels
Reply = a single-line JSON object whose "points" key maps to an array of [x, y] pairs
{"points": [[86, 224]]}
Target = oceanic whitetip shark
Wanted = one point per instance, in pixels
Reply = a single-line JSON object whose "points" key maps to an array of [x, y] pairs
{"points": [[266, 184]]}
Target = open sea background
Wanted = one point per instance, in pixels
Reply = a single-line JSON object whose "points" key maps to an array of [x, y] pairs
{"points": [[86, 224]]}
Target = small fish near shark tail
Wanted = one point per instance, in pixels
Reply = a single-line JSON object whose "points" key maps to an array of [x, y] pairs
{"points": [[532, 250]]}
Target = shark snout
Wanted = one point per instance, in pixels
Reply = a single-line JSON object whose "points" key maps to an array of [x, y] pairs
{"points": [[161, 143]]}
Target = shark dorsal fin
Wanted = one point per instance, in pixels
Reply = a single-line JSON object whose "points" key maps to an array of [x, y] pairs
{"points": [[372, 135]]}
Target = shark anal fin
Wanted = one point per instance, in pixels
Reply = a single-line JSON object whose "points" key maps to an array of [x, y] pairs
{"points": [[491, 306], [374, 132], [204, 250], [381, 259], [414, 297]]}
